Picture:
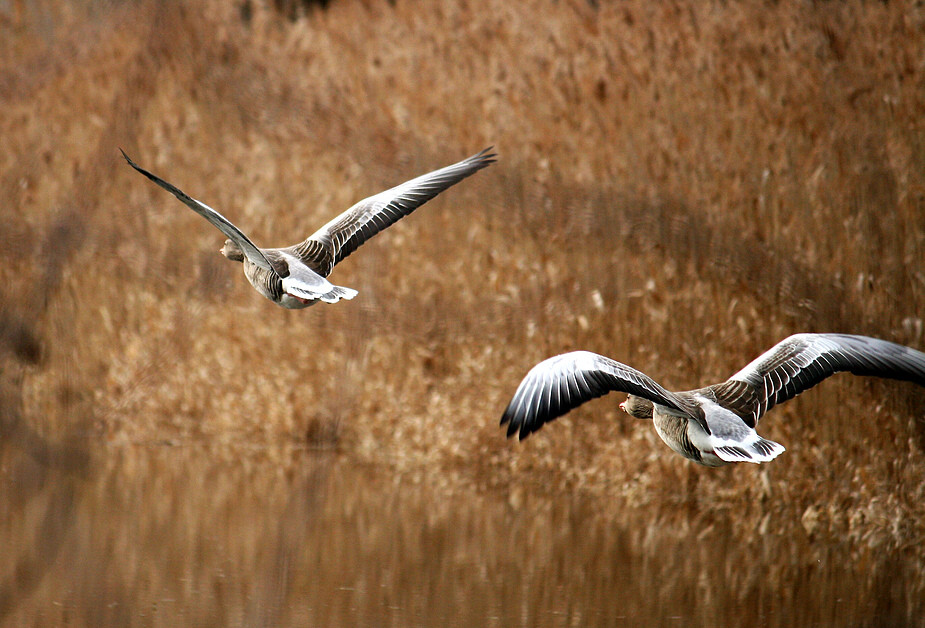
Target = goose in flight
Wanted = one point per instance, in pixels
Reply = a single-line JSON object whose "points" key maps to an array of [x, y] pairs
{"points": [[295, 277], [713, 425]]}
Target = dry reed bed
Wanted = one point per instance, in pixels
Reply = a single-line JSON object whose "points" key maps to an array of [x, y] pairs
{"points": [[679, 187]]}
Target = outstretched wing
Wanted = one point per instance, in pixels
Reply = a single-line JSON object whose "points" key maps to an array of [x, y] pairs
{"points": [[249, 249], [557, 385], [343, 235], [801, 361]]}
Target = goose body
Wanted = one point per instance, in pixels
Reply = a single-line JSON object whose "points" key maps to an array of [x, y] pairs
{"points": [[295, 277], [715, 425]]}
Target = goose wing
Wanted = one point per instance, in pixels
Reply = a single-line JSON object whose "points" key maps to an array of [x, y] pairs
{"points": [[343, 235], [801, 361], [249, 249], [557, 385]]}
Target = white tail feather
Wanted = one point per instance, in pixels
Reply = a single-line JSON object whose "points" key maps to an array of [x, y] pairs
{"points": [[760, 450]]}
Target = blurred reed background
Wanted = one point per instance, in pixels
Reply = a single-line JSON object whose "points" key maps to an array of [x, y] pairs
{"points": [[680, 185]]}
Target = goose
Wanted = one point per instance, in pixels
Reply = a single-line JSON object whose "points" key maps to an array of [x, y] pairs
{"points": [[295, 277], [715, 425]]}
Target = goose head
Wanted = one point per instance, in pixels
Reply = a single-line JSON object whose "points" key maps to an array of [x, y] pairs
{"points": [[232, 251], [637, 407]]}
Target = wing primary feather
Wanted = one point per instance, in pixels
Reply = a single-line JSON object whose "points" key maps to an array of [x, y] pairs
{"points": [[371, 215], [801, 361], [253, 253]]}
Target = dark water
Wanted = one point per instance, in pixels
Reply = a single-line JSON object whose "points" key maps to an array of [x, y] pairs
{"points": [[169, 536]]}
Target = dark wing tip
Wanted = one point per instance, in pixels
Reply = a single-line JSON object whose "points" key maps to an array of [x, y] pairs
{"points": [[523, 417], [136, 166], [127, 158], [516, 420], [524, 431], [485, 156], [511, 419]]}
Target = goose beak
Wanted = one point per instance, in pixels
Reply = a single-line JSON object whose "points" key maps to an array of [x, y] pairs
{"points": [[623, 406]]}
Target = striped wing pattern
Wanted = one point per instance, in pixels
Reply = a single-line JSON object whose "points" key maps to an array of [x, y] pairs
{"points": [[254, 254], [344, 234], [801, 361], [561, 383]]}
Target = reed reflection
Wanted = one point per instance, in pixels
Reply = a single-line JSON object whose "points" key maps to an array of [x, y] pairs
{"points": [[168, 535]]}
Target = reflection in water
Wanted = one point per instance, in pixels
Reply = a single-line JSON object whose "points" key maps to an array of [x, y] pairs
{"points": [[166, 536]]}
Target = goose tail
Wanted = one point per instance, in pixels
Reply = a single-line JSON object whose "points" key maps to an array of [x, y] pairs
{"points": [[756, 450], [338, 293]]}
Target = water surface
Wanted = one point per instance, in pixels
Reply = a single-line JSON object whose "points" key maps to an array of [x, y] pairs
{"points": [[165, 535]]}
